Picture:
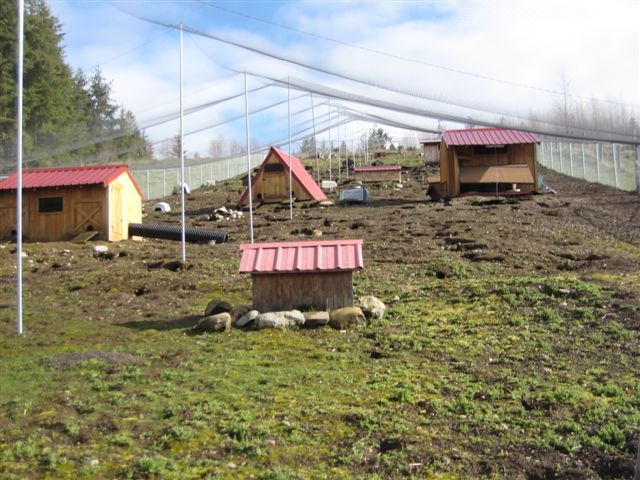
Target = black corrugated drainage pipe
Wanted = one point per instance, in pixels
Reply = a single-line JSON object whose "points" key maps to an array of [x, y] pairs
{"points": [[168, 232]]}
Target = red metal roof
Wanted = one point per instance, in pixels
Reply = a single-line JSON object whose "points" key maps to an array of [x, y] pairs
{"points": [[488, 136], [378, 168], [298, 173], [67, 176], [313, 256]]}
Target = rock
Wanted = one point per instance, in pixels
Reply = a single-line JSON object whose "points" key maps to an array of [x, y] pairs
{"points": [[238, 311], [280, 319], [316, 319], [100, 249], [326, 203], [372, 307], [210, 183], [216, 306], [204, 218], [215, 323], [317, 233], [342, 318], [247, 319]]}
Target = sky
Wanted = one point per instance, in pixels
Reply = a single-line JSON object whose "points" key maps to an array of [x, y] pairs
{"points": [[419, 64]]}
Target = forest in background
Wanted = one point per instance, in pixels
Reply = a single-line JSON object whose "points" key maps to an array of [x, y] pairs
{"points": [[70, 116]]}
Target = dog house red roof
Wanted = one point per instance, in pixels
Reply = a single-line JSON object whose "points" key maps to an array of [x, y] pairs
{"points": [[310, 256], [67, 176], [488, 136], [377, 168]]}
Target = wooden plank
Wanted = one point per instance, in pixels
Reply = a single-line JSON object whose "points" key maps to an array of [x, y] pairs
{"points": [[496, 174], [84, 237]]}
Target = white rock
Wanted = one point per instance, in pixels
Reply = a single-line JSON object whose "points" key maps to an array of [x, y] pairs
{"points": [[372, 307], [100, 249], [280, 319], [246, 319]]}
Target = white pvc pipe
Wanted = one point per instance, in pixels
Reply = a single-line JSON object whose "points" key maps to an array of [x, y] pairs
{"points": [[290, 155], [246, 110], [182, 206], [19, 165]]}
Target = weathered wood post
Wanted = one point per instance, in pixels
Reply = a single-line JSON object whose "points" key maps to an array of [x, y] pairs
{"points": [[638, 191]]}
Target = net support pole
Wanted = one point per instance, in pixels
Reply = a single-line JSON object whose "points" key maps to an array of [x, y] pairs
{"points": [[290, 155], [183, 249], [250, 187], [19, 82], [330, 143], [315, 140]]}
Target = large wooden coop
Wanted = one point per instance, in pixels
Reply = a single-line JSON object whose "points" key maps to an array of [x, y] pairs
{"points": [[305, 275], [61, 203], [486, 160], [378, 173], [271, 182]]}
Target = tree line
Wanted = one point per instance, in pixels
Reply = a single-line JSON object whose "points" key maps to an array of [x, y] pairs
{"points": [[69, 117]]}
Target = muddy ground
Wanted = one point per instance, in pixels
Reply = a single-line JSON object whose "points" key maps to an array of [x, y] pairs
{"points": [[510, 350]]}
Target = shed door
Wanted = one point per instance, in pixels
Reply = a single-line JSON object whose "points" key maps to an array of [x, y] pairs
{"points": [[276, 186], [87, 216], [8, 221], [116, 212]]}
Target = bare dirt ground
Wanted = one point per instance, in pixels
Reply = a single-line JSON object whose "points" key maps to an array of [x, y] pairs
{"points": [[510, 349]]}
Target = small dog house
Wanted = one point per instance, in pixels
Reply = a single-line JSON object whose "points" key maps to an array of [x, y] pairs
{"points": [[486, 160], [431, 151], [61, 203], [381, 173], [307, 275], [271, 183]]}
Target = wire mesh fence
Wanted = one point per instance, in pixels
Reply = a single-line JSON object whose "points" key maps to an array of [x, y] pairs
{"points": [[159, 182], [605, 163]]}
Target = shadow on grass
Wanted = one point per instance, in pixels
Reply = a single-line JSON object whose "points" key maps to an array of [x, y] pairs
{"points": [[189, 322]]}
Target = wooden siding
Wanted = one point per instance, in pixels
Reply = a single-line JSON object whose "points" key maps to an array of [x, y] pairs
{"points": [[84, 208], [381, 176], [451, 159], [317, 290], [431, 153], [274, 186]]}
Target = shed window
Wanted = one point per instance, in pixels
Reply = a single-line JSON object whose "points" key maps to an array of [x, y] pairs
{"points": [[273, 168], [489, 150], [50, 205]]}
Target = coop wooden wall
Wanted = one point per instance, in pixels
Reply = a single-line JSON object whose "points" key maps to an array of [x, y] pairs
{"points": [[274, 186], [79, 203], [126, 210], [284, 291], [450, 163]]}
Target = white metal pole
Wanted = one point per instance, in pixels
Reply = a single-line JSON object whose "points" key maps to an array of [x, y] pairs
{"points": [[182, 206], [290, 155], [339, 147], [597, 164], [246, 112], [615, 165], [561, 159], [19, 165], [551, 153], [315, 140], [571, 158], [584, 163], [330, 144]]}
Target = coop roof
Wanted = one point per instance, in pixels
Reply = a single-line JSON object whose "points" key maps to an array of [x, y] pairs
{"points": [[298, 173], [67, 176], [311, 256], [488, 136], [377, 168]]}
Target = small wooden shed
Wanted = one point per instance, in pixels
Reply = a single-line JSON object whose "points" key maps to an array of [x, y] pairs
{"points": [[381, 173], [486, 160], [271, 183], [305, 275], [60, 203], [431, 151]]}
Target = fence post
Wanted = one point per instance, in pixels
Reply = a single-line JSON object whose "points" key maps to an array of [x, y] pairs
{"points": [[164, 182], [571, 158], [542, 153], [148, 192], [638, 191], [561, 159], [597, 164], [551, 153], [615, 164], [584, 164], [189, 170]]}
